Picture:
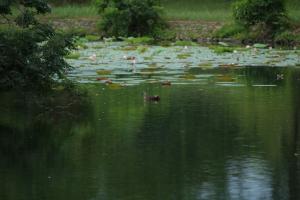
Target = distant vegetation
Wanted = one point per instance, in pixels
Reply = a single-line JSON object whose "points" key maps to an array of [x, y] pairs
{"points": [[130, 17], [270, 14], [214, 10]]}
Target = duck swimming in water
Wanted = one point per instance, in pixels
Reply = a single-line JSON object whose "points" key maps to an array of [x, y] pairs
{"points": [[151, 98]]}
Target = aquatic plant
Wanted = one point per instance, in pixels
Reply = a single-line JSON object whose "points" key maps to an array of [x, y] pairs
{"points": [[184, 43], [73, 55], [92, 38], [103, 72], [139, 40], [130, 17], [183, 56], [222, 49]]}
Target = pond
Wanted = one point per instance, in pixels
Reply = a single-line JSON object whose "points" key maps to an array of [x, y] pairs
{"points": [[220, 131]]}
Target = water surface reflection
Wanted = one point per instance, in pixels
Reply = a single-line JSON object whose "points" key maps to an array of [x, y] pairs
{"points": [[202, 141]]}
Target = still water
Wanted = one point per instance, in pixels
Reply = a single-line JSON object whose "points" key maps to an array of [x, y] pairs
{"points": [[213, 139]]}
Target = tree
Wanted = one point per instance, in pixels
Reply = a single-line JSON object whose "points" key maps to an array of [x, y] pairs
{"points": [[130, 17], [31, 53], [269, 13]]}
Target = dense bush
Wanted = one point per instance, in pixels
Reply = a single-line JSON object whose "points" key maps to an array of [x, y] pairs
{"points": [[130, 17], [270, 14], [31, 53]]}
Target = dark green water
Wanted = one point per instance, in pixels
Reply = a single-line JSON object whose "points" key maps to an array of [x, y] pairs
{"points": [[201, 141]]}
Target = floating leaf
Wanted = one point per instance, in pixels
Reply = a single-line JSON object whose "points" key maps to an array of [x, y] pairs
{"points": [[115, 86], [220, 50], [185, 43], [225, 78], [152, 65], [205, 65], [188, 76], [148, 58], [260, 46], [228, 65], [223, 44], [92, 38], [142, 49], [184, 56], [128, 48], [98, 47], [103, 72], [73, 55], [139, 40]]}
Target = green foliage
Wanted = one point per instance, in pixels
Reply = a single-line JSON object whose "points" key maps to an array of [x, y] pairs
{"points": [[229, 30], [287, 37], [130, 17], [222, 49], [270, 13], [92, 38], [31, 53], [139, 40], [73, 55], [184, 43]]}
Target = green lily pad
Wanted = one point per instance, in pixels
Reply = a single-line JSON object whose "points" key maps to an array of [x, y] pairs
{"points": [[73, 55], [142, 49], [183, 56], [260, 46], [92, 38], [223, 44], [128, 48], [188, 76], [103, 72]]}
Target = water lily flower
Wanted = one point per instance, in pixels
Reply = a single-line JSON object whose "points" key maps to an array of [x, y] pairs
{"points": [[248, 47], [93, 57], [185, 47]]}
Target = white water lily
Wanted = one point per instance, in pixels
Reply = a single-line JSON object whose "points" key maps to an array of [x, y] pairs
{"points": [[93, 57]]}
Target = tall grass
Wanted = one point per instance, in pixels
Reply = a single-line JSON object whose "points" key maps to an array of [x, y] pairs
{"points": [[73, 11], [209, 10], [197, 10]]}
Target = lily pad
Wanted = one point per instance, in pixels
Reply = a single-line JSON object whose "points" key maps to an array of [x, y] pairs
{"points": [[92, 38], [188, 76], [184, 56], [103, 72], [128, 48], [142, 49], [115, 86], [73, 55], [223, 44], [260, 46]]}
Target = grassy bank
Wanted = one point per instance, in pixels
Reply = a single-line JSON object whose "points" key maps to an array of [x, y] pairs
{"points": [[174, 10]]}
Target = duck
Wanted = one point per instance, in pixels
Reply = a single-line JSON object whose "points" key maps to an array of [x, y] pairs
{"points": [[151, 98]]}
